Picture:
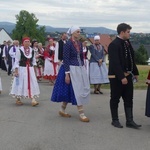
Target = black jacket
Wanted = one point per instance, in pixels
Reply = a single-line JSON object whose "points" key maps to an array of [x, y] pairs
{"points": [[60, 50], [117, 59]]}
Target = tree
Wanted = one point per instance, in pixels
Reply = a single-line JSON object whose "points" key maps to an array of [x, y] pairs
{"points": [[141, 55], [26, 25]]}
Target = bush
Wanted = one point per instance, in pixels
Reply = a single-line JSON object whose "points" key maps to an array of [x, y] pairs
{"points": [[141, 55]]}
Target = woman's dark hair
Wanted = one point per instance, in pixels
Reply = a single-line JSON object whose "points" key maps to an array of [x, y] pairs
{"points": [[123, 27], [33, 41]]}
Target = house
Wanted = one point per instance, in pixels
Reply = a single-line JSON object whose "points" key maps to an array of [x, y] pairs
{"points": [[148, 61], [105, 40], [4, 36]]}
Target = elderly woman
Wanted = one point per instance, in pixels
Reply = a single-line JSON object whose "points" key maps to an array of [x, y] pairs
{"points": [[98, 69], [25, 83], [72, 84]]}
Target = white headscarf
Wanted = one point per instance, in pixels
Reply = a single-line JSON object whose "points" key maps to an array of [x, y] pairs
{"points": [[73, 29], [97, 37]]}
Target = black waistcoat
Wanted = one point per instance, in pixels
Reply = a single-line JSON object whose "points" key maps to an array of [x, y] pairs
{"points": [[24, 60]]}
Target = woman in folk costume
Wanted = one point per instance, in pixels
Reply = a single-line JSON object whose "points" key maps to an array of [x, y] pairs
{"points": [[34, 45], [147, 110], [50, 67], [40, 61], [25, 83], [85, 54], [98, 68], [72, 84]]}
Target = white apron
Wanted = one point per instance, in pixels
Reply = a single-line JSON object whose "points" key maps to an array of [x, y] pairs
{"points": [[80, 83]]}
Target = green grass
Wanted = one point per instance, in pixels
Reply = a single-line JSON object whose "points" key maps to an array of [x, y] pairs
{"points": [[141, 84], [143, 71]]}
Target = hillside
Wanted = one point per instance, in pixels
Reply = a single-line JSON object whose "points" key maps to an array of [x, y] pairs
{"points": [[8, 26]]}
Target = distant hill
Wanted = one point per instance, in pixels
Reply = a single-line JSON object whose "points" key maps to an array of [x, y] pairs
{"points": [[8, 26]]}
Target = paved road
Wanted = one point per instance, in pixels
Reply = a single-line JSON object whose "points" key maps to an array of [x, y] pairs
{"points": [[41, 128]]}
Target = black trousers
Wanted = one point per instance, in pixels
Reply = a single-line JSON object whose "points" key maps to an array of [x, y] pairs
{"points": [[9, 69], [119, 90]]}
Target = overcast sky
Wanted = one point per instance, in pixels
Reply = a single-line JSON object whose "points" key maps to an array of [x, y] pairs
{"points": [[85, 13]]}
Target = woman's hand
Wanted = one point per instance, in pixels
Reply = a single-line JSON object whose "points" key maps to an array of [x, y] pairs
{"points": [[67, 78], [16, 74], [100, 62]]}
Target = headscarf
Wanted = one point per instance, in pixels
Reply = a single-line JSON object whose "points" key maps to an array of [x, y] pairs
{"points": [[73, 29], [50, 39], [96, 37], [25, 39]]}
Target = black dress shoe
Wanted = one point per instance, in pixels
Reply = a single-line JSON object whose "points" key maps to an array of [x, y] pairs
{"points": [[116, 124], [96, 92], [99, 91], [132, 124]]}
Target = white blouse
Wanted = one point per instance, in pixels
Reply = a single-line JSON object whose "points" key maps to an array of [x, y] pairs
{"points": [[18, 57]]}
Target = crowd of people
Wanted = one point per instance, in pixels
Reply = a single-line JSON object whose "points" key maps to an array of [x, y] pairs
{"points": [[67, 66]]}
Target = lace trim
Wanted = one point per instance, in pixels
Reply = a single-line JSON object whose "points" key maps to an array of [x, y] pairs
{"points": [[22, 96]]}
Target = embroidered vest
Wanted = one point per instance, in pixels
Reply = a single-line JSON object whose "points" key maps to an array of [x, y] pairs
{"points": [[24, 61]]}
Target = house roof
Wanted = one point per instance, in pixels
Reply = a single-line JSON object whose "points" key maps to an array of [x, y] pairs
{"points": [[105, 40], [4, 30], [4, 36]]}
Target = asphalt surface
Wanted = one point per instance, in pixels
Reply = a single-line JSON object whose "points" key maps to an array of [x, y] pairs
{"points": [[41, 128]]}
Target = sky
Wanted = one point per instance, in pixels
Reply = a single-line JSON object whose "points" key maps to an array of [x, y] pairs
{"points": [[83, 13]]}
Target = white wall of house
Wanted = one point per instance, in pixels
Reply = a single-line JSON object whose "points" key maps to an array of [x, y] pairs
{"points": [[4, 36]]}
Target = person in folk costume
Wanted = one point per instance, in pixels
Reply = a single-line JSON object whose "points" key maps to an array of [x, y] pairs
{"points": [[9, 60], [72, 83], [85, 54], [5, 53], [122, 71], [34, 45], [40, 61], [2, 66], [59, 49], [147, 108], [50, 67], [25, 83], [12, 52], [98, 68]]}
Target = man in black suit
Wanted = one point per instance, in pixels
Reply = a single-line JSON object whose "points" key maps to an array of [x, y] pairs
{"points": [[2, 63], [122, 71], [59, 48]]}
